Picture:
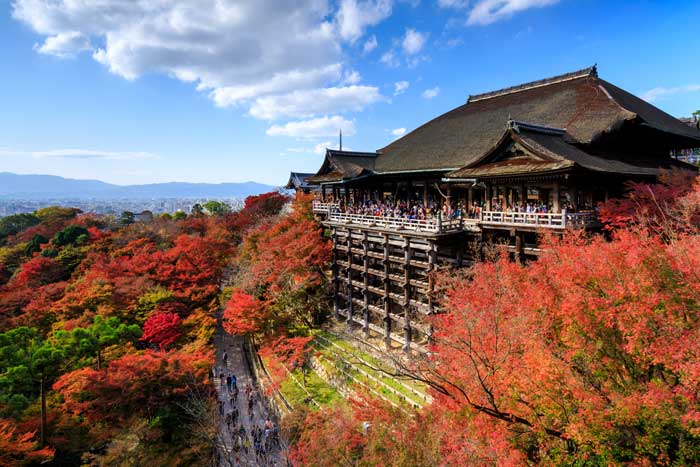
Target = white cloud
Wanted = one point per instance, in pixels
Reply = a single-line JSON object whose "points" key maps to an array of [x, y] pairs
{"points": [[320, 148], [64, 44], [400, 87], [279, 83], [352, 77], [389, 59], [79, 154], [398, 131], [355, 16], [431, 93], [236, 51], [490, 11], [311, 102], [413, 41], [370, 45], [661, 93], [315, 128], [453, 3]]}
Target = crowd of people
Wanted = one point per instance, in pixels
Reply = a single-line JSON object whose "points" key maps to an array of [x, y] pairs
{"points": [[445, 211], [261, 438]]}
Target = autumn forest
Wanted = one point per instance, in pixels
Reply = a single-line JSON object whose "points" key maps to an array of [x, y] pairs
{"points": [[586, 356]]}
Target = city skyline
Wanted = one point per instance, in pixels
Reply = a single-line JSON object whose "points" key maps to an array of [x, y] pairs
{"points": [[177, 93]]}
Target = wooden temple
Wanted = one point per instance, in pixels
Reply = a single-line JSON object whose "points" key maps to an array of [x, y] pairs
{"points": [[298, 182], [497, 170]]}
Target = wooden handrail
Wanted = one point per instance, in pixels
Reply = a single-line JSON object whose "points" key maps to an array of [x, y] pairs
{"points": [[546, 220]]}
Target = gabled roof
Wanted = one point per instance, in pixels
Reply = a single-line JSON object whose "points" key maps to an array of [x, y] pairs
{"points": [[587, 106], [297, 180], [344, 165], [526, 149]]}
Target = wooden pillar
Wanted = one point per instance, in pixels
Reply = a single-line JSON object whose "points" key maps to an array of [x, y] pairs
{"points": [[336, 279], [519, 247], [387, 303], [555, 196], [407, 293], [323, 193], [409, 188], [432, 261], [350, 286], [470, 198], [365, 269], [425, 194], [488, 196], [449, 196], [572, 195]]}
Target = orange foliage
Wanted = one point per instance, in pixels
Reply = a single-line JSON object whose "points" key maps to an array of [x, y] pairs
{"points": [[19, 449], [134, 385]]}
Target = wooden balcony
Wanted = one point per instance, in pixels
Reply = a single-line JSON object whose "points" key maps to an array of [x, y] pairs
{"points": [[403, 224], [539, 220], [487, 219], [325, 208]]}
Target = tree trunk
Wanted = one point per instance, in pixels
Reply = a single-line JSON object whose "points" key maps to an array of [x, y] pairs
{"points": [[43, 412]]}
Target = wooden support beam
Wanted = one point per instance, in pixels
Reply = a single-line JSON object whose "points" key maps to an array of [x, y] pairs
{"points": [[555, 196], [365, 267], [336, 281], [350, 289], [407, 293], [387, 302], [432, 257]]}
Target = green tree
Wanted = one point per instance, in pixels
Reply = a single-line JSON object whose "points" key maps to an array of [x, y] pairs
{"points": [[53, 215], [91, 341], [179, 215], [29, 364], [71, 235], [166, 216], [216, 208], [126, 218], [34, 244], [11, 225]]}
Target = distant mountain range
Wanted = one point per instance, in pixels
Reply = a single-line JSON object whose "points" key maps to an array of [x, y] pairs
{"points": [[50, 186]]}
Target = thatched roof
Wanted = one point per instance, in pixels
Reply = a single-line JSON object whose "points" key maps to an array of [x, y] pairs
{"points": [[344, 165], [297, 181], [526, 149], [587, 106]]}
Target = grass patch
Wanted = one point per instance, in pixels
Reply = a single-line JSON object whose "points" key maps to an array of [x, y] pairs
{"points": [[384, 380]]}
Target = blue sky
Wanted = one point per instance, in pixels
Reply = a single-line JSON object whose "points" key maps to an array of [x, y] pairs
{"points": [[218, 91]]}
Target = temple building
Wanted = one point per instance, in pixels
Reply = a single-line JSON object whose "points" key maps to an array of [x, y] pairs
{"points": [[496, 171], [298, 182]]}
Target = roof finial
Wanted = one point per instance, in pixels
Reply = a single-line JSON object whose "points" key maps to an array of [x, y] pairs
{"points": [[340, 146], [512, 124]]}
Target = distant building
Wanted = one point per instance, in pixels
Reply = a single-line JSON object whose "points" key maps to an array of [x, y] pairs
{"points": [[297, 182], [144, 216]]}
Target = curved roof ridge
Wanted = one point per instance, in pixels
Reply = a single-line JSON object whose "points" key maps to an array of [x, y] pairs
{"points": [[586, 72], [518, 125]]}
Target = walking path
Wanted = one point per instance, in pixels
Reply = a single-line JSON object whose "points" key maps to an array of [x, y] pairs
{"points": [[238, 447]]}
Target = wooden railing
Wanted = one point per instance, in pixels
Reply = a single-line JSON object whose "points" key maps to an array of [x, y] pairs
{"points": [[582, 220], [434, 225], [437, 225], [325, 208], [524, 219], [548, 220]]}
